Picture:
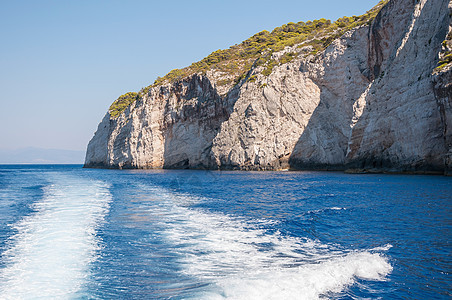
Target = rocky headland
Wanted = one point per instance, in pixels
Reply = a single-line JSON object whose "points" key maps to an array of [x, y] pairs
{"points": [[368, 93]]}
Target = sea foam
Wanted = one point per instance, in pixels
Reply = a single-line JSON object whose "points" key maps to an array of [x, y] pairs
{"points": [[242, 259], [50, 254]]}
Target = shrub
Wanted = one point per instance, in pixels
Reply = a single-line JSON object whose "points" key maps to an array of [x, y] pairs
{"points": [[270, 65], [117, 107], [258, 49], [287, 57], [252, 78]]}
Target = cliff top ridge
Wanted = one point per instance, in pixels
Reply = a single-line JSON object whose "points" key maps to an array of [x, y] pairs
{"points": [[235, 62]]}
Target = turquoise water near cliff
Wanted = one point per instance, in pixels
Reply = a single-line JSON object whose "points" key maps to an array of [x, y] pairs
{"points": [[68, 232]]}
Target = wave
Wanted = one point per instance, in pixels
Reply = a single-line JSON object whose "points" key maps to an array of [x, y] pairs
{"points": [[244, 259], [51, 252]]}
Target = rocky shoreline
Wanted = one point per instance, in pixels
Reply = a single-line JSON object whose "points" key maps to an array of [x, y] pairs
{"points": [[372, 100]]}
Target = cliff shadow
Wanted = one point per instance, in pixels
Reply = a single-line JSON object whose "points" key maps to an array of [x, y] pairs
{"points": [[191, 122], [401, 129], [324, 141]]}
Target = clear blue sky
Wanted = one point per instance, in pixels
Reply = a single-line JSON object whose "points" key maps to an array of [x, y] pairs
{"points": [[62, 63]]}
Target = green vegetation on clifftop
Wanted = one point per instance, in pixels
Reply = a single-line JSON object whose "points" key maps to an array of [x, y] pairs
{"points": [[238, 59], [120, 104], [445, 54], [234, 63]]}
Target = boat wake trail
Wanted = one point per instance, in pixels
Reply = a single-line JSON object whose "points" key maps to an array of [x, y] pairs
{"points": [[248, 259], [50, 254]]}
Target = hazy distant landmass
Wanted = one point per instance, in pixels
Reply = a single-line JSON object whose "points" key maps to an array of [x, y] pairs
{"points": [[31, 155]]}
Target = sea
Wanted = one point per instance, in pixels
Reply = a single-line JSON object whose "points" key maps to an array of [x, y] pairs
{"points": [[73, 233]]}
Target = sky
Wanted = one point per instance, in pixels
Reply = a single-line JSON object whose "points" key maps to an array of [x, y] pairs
{"points": [[63, 62]]}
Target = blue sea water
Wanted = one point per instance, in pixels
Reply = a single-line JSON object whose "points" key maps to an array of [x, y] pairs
{"points": [[73, 233]]}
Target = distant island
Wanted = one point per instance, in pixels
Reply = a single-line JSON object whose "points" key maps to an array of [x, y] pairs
{"points": [[32, 155], [369, 93]]}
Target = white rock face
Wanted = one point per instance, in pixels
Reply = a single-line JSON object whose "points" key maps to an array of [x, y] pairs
{"points": [[401, 128], [369, 101]]}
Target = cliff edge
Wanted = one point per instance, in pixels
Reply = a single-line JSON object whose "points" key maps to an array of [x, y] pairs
{"points": [[367, 93]]}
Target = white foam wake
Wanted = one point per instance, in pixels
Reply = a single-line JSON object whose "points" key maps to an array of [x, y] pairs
{"points": [[309, 281], [50, 255], [244, 261]]}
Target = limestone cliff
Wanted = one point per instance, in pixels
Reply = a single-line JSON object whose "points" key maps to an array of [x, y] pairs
{"points": [[370, 100]]}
